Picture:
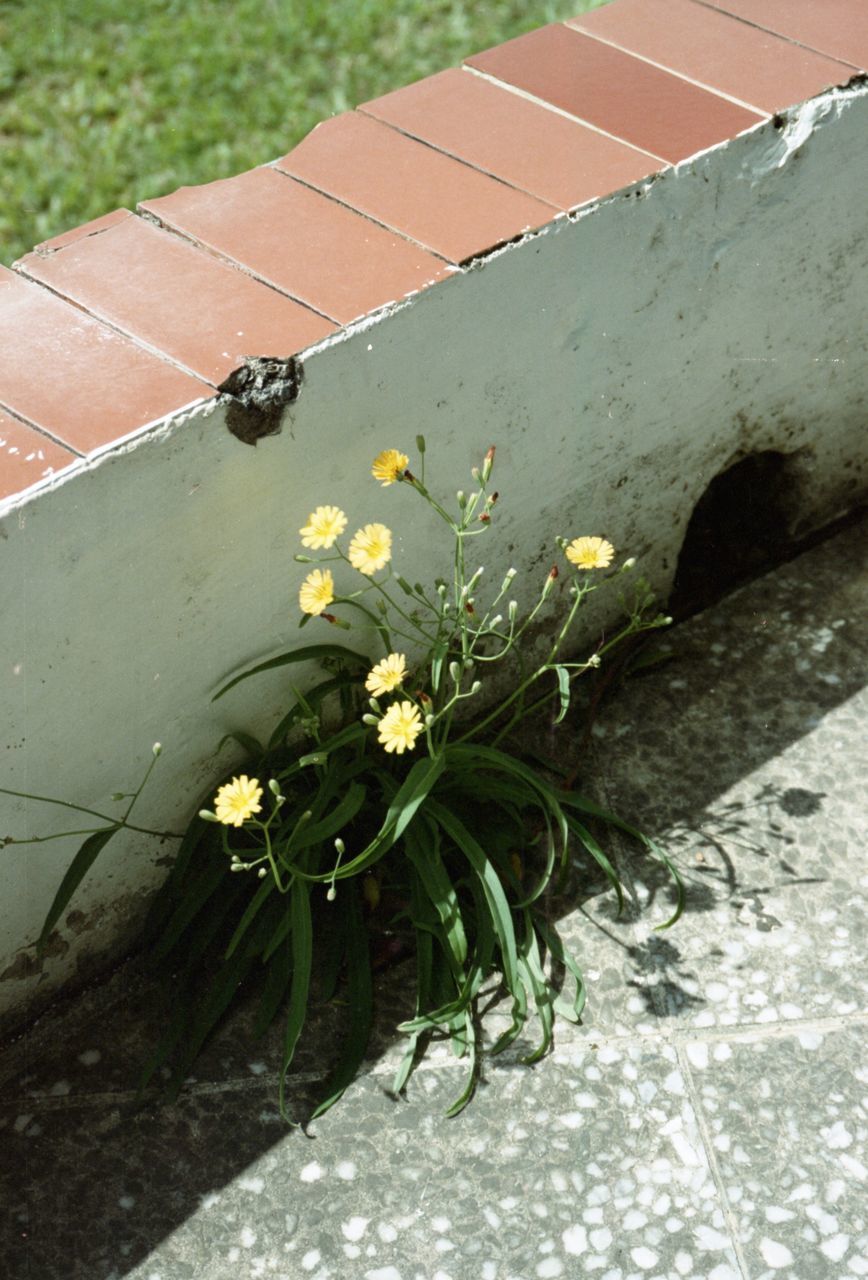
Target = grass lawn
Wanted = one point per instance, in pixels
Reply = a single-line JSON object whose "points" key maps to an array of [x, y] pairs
{"points": [[106, 102]]}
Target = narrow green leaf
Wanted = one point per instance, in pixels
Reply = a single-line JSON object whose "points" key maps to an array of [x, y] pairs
{"points": [[87, 855], [302, 947], [251, 745], [246, 920], [307, 653], [571, 1010], [359, 1005], [599, 857], [496, 898], [424, 853]]}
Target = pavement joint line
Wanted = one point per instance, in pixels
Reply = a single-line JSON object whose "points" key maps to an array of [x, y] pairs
{"points": [[730, 1219], [677, 1040]]}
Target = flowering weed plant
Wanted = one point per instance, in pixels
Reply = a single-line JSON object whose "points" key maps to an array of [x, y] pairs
{"points": [[409, 819]]}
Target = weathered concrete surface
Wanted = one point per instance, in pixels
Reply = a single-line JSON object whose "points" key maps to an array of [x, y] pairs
{"points": [[707, 1121], [619, 360]]}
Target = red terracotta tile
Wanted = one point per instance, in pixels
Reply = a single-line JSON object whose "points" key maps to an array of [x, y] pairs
{"points": [[75, 378], [517, 140], [614, 91], [163, 291], [86, 229], [333, 259], [451, 208], [838, 28], [26, 456], [716, 50]]}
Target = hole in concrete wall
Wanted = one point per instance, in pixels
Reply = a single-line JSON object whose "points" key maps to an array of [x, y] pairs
{"points": [[740, 527]]}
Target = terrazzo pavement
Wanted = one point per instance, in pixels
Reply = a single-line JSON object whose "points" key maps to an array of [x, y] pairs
{"points": [[709, 1119]]}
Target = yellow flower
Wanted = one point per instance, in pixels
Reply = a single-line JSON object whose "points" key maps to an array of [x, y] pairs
{"points": [[317, 591], [387, 675], [388, 466], [590, 553], [323, 526], [400, 727], [237, 800], [371, 548]]}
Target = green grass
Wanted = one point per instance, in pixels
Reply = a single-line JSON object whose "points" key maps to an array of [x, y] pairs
{"points": [[99, 108]]}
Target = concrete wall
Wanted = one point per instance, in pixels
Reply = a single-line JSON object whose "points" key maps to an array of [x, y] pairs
{"points": [[618, 359]]}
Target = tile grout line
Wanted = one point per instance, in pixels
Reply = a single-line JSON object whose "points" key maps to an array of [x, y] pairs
{"points": [[43, 431], [680, 75], [715, 8], [127, 334], [730, 1219], [468, 164], [568, 115], [156, 220]]}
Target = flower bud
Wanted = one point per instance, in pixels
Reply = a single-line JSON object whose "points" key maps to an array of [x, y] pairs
{"points": [[274, 786], [300, 559], [476, 686], [429, 720], [455, 672], [593, 661], [513, 610], [475, 472], [340, 846], [488, 464], [550, 580], [374, 705], [496, 621], [628, 564], [207, 816], [420, 444], [468, 664], [262, 873], [157, 748], [369, 719], [119, 795], [510, 574], [462, 498], [332, 893]]}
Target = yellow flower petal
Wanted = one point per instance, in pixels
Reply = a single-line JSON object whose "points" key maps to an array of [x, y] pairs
{"points": [[316, 592], [371, 548], [238, 800], [400, 727], [590, 553], [323, 527], [389, 466], [386, 675]]}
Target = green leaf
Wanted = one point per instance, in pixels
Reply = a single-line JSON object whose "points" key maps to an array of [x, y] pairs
{"points": [[302, 955], [495, 897], [317, 832], [313, 699], [437, 659], [252, 908], [599, 857], [307, 653], [571, 1010], [563, 691], [359, 1005], [403, 808], [250, 744], [424, 853], [78, 869]]}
